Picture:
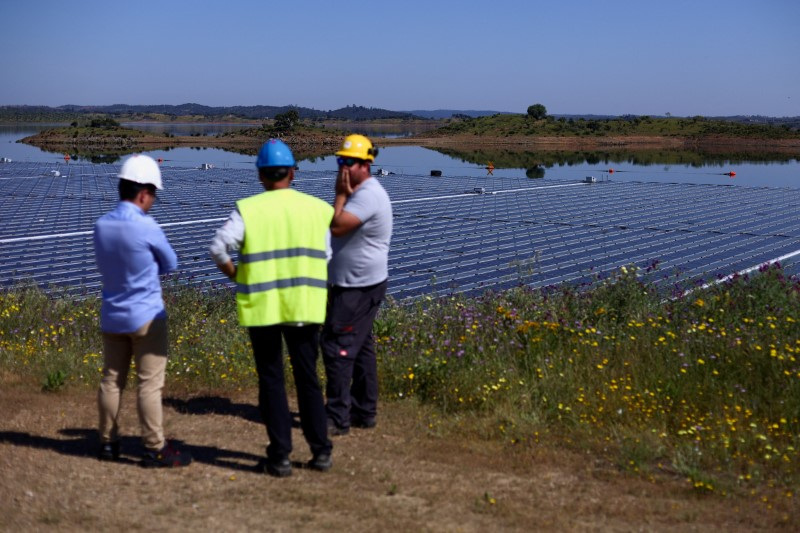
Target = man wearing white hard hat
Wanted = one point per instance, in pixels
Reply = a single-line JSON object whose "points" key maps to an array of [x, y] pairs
{"points": [[132, 252]]}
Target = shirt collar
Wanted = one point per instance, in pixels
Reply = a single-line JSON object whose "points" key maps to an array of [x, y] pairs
{"points": [[130, 206]]}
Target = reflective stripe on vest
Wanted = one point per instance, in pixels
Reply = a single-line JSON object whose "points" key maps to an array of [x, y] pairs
{"points": [[281, 284], [283, 272], [279, 254]]}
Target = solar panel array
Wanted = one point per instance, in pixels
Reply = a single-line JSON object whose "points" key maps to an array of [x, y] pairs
{"points": [[452, 234]]}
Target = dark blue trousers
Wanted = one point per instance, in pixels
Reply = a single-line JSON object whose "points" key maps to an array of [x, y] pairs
{"points": [[302, 342], [348, 351]]}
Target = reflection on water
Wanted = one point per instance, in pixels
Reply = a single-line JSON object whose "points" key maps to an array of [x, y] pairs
{"points": [[695, 158], [761, 169], [535, 173], [753, 169], [394, 129], [188, 130]]}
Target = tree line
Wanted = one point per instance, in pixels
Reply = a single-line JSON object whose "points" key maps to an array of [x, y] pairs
{"points": [[68, 113]]}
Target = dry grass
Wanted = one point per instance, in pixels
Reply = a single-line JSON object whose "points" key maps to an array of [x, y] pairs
{"points": [[400, 476]]}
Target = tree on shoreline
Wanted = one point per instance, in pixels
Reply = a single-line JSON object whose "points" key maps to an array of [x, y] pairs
{"points": [[537, 111], [287, 121]]}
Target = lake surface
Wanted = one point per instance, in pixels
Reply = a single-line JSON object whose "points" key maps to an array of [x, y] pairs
{"points": [[657, 166]]}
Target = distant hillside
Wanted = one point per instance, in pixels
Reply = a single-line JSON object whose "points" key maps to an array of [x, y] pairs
{"points": [[258, 112], [199, 112], [462, 113], [448, 113], [365, 113]]}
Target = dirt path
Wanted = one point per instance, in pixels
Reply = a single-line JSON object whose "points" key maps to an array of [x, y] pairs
{"points": [[395, 477]]}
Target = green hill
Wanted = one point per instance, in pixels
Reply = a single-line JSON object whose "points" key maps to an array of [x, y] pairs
{"points": [[125, 112], [504, 125]]}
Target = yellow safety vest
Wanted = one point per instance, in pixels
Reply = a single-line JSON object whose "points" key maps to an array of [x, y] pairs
{"points": [[283, 271]]}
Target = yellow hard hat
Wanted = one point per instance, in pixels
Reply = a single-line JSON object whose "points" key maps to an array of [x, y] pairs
{"points": [[359, 147]]}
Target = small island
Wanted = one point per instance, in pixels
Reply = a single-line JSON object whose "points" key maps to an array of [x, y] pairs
{"points": [[534, 131], [105, 135]]}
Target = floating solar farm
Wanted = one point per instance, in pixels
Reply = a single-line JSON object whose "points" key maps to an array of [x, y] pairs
{"points": [[451, 234]]}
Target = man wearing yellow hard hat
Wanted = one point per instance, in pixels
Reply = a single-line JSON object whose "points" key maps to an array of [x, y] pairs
{"points": [[357, 278]]}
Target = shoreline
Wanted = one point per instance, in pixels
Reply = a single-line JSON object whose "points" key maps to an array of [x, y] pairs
{"points": [[596, 143], [323, 140]]}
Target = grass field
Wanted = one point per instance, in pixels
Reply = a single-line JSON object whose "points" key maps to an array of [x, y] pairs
{"points": [[705, 387], [691, 127]]}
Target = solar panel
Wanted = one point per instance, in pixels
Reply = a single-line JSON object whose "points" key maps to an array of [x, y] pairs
{"points": [[459, 234]]}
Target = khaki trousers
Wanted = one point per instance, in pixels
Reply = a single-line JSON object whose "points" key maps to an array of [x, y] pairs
{"points": [[148, 348]]}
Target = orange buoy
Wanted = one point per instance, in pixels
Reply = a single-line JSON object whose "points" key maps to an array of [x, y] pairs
{"points": [[160, 160], [610, 170], [66, 157]]}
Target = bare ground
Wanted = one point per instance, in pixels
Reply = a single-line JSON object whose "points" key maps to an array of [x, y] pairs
{"points": [[399, 476]]}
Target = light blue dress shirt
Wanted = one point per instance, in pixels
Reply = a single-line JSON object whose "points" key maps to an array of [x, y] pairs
{"points": [[131, 252]]}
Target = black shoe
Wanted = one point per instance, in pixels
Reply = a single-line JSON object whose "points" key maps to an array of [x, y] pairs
{"points": [[321, 462], [166, 457], [109, 451], [336, 431], [282, 468], [363, 423]]}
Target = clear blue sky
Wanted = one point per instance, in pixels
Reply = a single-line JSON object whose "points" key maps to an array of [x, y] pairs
{"points": [[685, 57]]}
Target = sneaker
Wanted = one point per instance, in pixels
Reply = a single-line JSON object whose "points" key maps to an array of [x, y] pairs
{"points": [[109, 451], [363, 423], [167, 457], [282, 468], [321, 462]]}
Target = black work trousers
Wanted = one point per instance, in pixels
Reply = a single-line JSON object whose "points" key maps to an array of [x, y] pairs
{"points": [[348, 351], [302, 342]]}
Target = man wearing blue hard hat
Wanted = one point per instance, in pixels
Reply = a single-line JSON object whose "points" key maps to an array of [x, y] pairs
{"points": [[283, 240]]}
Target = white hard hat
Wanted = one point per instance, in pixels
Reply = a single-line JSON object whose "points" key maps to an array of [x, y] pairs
{"points": [[141, 169]]}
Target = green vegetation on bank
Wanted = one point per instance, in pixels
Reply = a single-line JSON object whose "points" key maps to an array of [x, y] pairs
{"points": [[283, 124], [98, 130], [548, 126], [704, 386]]}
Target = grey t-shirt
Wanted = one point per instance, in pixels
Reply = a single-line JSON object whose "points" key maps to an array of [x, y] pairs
{"points": [[361, 258]]}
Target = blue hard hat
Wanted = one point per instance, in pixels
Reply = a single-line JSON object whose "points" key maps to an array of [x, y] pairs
{"points": [[275, 153]]}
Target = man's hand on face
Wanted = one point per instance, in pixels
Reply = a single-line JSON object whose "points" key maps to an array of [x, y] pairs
{"points": [[343, 185]]}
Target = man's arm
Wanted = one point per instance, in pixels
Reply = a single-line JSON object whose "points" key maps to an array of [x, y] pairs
{"points": [[165, 256], [228, 238], [229, 269], [343, 222]]}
